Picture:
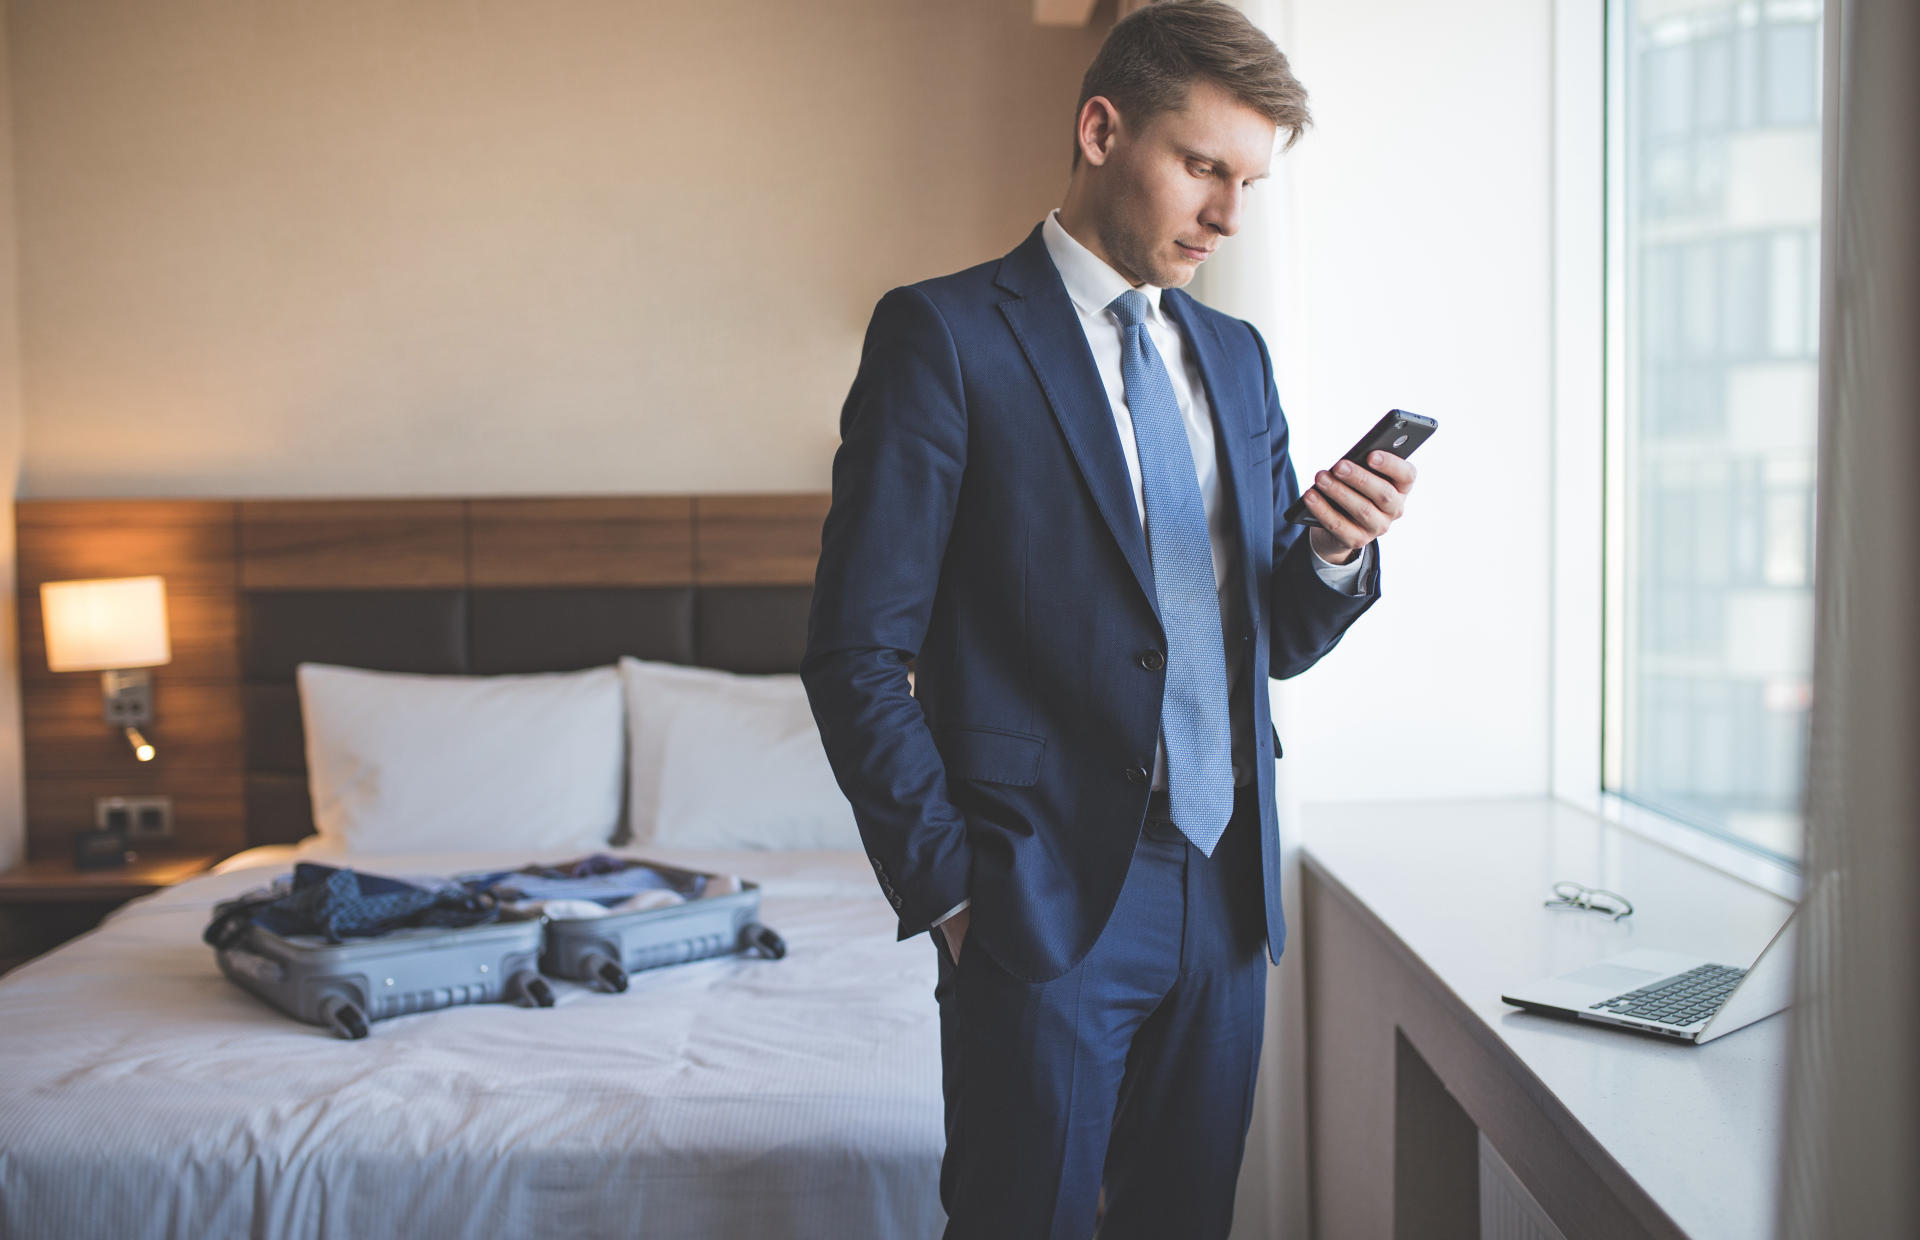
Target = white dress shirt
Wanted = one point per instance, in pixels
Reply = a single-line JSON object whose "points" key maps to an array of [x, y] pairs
{"points": [[1092, 286]]}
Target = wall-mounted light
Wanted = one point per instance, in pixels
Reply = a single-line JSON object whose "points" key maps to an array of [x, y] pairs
{"points": [[116, 626]]}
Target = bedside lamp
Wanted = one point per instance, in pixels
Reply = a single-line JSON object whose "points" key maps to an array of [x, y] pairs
{"points": [[116, 626]]}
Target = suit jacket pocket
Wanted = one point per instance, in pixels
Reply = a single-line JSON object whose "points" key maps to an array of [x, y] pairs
{"points": [[992, 755]]}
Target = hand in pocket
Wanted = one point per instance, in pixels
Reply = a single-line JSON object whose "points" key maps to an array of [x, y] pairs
{"points": [[955, 930]]}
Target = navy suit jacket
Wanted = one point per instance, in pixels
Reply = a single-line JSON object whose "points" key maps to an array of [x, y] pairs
{"points": [[983, 525]]}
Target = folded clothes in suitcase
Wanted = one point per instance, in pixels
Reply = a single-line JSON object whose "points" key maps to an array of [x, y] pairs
{"points": [[608, 917], [340, 948]]}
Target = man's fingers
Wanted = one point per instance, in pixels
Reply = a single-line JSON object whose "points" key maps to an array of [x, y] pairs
{"points": [[1381, 491], [1359, 508], [1395, 469], [1336, 522]]}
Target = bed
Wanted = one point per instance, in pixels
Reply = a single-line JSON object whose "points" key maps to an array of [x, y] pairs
{"points": [[143, 1095]]}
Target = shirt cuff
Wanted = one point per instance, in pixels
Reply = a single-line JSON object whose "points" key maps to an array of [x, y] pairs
{"points": [[1342, 577], [950, 912]]}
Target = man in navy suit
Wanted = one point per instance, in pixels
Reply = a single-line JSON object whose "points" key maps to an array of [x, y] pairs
{"points": [[1057, 497]]}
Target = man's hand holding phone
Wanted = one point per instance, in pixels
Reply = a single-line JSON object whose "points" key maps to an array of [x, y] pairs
{"points": [[1356, 505], [1365, 492]]}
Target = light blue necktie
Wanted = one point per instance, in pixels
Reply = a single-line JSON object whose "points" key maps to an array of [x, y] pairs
{"points": [[1193, 712]]}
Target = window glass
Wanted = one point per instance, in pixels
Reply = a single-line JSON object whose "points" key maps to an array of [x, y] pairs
{"points": [[1714, 241]]}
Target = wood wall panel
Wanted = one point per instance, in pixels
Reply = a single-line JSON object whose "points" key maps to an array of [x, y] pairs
{"points": [[352, 543], [636, 540], [197, 727], [189, 542], [71, 755], [757, 539]]}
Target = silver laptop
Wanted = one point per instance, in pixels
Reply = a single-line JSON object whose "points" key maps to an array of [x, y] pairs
{"points": [[1669, 994]]}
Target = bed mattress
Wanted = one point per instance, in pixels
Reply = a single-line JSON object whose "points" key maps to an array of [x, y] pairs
{"points": [[144, 1095]]}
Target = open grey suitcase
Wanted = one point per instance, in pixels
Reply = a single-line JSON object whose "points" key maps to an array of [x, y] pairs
{"points": [[604, 951], [343, 986]]}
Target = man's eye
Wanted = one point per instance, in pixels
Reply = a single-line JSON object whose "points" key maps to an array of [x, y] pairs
{"points": [[1199, 170]]}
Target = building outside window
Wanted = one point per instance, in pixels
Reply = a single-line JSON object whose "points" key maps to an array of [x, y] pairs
{"points": [[1713, 233]]}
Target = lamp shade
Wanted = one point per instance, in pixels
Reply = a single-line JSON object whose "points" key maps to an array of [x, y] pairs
{"points": [[105, 623]]}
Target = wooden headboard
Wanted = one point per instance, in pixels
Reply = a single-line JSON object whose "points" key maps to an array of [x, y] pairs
{"points": [[475, 586]]}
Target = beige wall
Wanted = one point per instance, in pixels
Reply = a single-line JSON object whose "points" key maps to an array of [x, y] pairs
{"points": [[12, 824], [434, 246]]}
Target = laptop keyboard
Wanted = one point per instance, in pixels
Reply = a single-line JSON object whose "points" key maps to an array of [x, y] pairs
{"points": [[1683, 999]]}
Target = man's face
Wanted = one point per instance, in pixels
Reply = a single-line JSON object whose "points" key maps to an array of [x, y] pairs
{"points": [[1167, 193]]}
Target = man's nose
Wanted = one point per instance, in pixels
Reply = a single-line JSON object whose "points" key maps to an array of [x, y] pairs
{"points": [[1223, 211]]}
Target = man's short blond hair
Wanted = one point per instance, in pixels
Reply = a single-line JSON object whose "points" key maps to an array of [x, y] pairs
{"points": [[1153, 54]]}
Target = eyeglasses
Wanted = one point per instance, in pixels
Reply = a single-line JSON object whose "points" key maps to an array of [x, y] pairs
{"points": [[1573, 895]]}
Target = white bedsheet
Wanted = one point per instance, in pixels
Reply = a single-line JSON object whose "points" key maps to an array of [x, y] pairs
{"points": [[142, 1094]]}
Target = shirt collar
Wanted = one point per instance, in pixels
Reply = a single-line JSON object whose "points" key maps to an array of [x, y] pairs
{"points": [[1090, 282]]}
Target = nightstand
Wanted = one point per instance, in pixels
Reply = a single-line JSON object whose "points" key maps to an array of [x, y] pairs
{"points": [[44, 903]]}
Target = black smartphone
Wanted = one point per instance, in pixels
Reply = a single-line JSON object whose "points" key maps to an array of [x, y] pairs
{"points": [[1397, 431]]}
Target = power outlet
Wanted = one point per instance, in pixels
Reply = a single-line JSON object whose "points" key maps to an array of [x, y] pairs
{"points": [[142, 818]]}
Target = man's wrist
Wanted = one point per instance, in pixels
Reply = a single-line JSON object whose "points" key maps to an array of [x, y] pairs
{"points": [[1313, 542]]}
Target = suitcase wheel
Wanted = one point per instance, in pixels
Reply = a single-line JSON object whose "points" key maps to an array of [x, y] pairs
{"points": [[532, 987], [753, 934], [345, 1018], [607, 975]]}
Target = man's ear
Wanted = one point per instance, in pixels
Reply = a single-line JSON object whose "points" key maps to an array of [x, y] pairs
{"points": [[1097, 128]]}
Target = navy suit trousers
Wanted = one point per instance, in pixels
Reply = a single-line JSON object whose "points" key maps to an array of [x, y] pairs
{"points": [[1133, 1070]]}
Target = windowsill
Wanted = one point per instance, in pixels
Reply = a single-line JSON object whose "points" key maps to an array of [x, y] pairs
{"points": [[1729, 858], [1459, 888]]}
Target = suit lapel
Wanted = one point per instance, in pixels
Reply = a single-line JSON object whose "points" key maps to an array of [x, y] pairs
{"points": [[1047, 326]]}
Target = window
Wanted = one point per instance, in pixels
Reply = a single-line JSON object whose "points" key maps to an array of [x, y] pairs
{"points": [[1713, 235]]}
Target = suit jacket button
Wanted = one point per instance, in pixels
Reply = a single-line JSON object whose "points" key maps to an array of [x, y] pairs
{"points": [[1152, 660], [1136, 774]]}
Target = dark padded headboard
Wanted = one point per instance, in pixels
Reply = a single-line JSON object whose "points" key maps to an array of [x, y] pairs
{"points": [[476, 631]]}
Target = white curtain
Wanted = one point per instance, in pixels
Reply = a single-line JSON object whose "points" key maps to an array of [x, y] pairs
{"points": [[1852, 1153]]}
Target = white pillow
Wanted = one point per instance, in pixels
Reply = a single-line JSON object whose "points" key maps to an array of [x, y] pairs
{"points": [[404, 762], [720, 760]]}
